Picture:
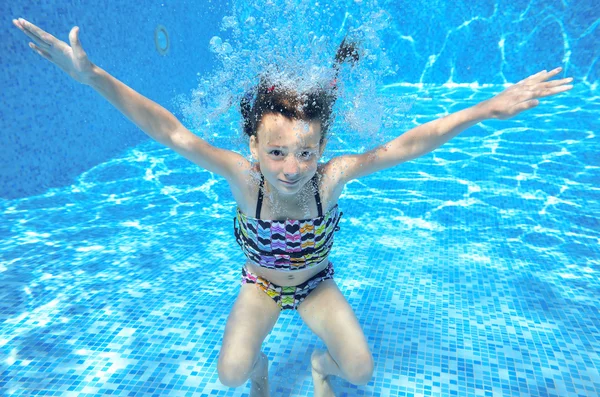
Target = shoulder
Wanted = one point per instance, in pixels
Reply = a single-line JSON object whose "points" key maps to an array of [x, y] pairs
{"points": [[331, 180], [343, 169], [244, 186], [335, 171]]}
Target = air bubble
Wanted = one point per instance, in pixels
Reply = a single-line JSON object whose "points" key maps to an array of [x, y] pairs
{"points": [[228, 22], [294, 44], [215, 44], [226, 48]]}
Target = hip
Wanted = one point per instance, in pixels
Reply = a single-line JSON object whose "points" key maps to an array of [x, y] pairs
{"points": [[287, 278]]}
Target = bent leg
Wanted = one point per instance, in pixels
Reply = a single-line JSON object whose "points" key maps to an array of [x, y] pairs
{"points": [[251, 319], [327, 313]]}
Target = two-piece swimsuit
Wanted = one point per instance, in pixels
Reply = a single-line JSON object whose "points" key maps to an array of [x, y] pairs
{"points": [[287, 245]]}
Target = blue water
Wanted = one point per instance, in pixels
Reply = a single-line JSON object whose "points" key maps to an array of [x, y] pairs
{"points": [[473, 270]]}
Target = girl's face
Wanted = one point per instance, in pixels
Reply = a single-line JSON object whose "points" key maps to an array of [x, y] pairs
{"points": [[288, 151]]}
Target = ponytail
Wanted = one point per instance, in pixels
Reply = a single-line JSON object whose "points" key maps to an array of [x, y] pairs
{"points": [[346, 52]]}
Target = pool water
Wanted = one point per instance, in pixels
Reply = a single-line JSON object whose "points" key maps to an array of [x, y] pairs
{"points": [[473, 270]]}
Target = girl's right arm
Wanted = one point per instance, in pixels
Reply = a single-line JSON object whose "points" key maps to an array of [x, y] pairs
{"points": [[156, 121]]}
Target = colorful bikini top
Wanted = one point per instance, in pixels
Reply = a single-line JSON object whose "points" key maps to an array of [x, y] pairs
{"points": [[286, 244]]}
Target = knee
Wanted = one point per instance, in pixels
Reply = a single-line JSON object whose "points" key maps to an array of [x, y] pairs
{"points": [[230, 376], [234, 371], [359, 371]]}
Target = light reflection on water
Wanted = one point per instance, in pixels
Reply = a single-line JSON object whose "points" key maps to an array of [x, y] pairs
{"points": [[482, 253]]}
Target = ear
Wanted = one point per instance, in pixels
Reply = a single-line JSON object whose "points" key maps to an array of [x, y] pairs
{"points": [[322, 147], [254, 147]]}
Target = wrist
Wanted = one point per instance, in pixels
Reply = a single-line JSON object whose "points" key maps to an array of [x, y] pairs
{"points": [[483, 110], [94, 77]]}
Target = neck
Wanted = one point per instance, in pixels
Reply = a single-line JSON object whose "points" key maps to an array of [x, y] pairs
{"points": [[290, 200]]}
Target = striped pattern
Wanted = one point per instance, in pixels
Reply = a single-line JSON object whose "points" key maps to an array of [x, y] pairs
{"points": [[287, 245], [287, 297]]}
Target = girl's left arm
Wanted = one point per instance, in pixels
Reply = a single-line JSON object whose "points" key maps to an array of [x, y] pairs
{"points": [[429, 136]]}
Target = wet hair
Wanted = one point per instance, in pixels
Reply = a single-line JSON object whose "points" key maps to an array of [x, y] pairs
{"points": [[315, 105]]}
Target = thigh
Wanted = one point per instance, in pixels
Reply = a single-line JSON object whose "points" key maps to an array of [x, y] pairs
{"points": [[329, 315], [251, 319]]}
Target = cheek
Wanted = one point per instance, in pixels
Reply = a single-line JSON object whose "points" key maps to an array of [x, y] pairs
{"points": [[268, 164], [311, 166]]}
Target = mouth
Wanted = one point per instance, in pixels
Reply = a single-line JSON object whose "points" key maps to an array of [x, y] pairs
{"points": [[289, 183]]}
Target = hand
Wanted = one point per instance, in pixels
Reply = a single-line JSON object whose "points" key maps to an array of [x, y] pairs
{"points": [[71, 59], [524, 94]]}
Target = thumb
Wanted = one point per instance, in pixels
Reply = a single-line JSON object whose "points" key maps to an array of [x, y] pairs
{"points": [[75, 43]]}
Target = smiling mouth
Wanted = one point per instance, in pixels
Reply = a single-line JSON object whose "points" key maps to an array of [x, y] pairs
{"points": [[289, 183]]}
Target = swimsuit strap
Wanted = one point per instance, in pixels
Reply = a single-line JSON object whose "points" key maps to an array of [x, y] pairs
{"points": [[317, 196], [260, 196]]}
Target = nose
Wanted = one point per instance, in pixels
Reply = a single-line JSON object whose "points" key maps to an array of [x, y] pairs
{"points": [[291, 167]]}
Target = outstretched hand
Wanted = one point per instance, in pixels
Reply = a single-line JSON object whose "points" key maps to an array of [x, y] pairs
{"points": [[71, 59], [524, 94]]}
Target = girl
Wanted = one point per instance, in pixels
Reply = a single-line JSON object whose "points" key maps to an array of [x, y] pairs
{"points": [[287, 201]]}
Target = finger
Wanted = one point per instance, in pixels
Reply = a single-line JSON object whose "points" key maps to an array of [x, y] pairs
{"points": [[532, 77], [75, 43], [40, 37], [550, 74], [558, 90], [551, 91], [541, 76], [29, 34], [555, 83], [527, 105], [40, 51]]}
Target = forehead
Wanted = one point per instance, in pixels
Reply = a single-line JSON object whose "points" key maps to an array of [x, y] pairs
{"points": [[278, 130]]}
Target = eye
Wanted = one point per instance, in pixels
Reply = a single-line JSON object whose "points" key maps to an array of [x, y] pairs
{"points": [[275, 152], [307, 154]]}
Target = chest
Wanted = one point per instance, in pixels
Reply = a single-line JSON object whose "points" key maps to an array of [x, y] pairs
{"points": [[302, 206]]}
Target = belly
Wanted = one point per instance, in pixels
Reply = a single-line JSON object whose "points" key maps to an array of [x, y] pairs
{"points": [[286, 278]]}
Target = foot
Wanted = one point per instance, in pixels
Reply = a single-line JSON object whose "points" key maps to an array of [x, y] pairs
{"points": [[320, 380], [260, 378]]}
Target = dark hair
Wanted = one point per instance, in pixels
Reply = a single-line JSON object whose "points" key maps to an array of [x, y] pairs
{"points": [[316, 104]]}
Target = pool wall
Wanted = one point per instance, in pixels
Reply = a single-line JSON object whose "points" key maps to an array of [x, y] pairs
{"points": [[53, 129]]}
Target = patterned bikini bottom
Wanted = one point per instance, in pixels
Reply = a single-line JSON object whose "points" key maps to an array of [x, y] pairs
{"points": [[287, 297]]}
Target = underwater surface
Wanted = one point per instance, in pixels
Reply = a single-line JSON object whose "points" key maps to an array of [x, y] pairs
{"points": [[473, 270]]}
